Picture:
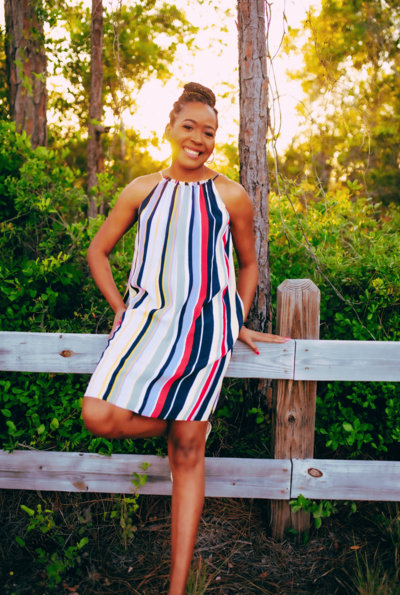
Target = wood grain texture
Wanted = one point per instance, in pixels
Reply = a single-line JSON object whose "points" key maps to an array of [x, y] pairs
{"points": [[94, 146], [26, 61], [348, 360], [293, 402], [85, 472], [79, 353], [253, 106], [346, 480]]}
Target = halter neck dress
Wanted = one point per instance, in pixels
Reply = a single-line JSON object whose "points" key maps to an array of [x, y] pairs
{"points": [[169, 356]]}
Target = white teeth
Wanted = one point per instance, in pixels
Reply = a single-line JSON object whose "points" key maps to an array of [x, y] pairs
{"points": [[190, 152]]}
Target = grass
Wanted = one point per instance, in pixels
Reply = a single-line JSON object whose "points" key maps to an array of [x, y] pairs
{"points": [[199, 578]]}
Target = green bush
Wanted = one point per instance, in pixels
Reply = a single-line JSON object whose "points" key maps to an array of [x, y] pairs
{"points": [[350, 249], [45, 286], [341, 241]]}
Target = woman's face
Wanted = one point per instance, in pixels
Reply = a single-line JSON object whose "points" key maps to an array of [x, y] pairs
{"points": [[192, 136]]}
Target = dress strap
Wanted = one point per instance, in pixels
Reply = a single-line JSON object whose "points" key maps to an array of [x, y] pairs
{"points": [[215, 177]]}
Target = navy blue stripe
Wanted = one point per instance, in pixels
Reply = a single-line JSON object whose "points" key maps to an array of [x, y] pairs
{"points": [[181, 386], [239, 312], [211, 390], [218, 221], [148, 228]]}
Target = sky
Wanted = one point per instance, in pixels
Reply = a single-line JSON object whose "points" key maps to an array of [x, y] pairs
{"points": [[216, 66]]}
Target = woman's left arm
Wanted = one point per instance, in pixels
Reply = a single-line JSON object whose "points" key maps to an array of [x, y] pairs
{"points": [[241, 224]]}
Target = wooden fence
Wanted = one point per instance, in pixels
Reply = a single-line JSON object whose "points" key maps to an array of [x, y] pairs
{"points": [[296, 366]]}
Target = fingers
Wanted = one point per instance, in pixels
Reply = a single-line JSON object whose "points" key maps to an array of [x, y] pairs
{"points": [[269, 338], [253, 346], [116, 324]]}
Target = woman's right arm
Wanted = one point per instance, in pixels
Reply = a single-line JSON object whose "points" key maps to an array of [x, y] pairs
{"points": [[121, 218]]}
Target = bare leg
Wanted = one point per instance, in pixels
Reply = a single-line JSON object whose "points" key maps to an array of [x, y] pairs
{"points": [[107, 420], [186, 446]]}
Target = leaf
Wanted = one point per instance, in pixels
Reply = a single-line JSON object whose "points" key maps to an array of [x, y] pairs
{"points": [[6, 412], [11, 427], [28, 510], [20, 541], [318, 523], [41, 429], [83, 542], [355, 547], [54, 424], [348, 427]]}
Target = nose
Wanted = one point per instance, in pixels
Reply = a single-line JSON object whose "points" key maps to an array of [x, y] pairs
{"points": [[196, 137]]}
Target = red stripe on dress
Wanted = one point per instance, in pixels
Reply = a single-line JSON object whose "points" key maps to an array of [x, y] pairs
{"points": [[197, 310], [223, 342]]}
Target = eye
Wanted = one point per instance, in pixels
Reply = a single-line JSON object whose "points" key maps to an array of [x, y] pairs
{"points": [[187, 127], [210, 134]]}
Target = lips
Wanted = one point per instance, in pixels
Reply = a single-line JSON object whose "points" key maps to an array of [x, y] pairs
{"points": [[192, 152]]}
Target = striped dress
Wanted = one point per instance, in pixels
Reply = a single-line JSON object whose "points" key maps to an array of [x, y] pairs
{"points": [[169, 356]]}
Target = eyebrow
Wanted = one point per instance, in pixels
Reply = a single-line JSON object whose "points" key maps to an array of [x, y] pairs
{"points": [[194, 122]]}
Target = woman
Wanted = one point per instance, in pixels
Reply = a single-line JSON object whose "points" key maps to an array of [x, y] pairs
{"points": [[169, 348]]}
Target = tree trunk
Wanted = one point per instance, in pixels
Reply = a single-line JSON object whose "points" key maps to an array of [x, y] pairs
{"points": [[95, 149], [253, 84], [26, 69]]}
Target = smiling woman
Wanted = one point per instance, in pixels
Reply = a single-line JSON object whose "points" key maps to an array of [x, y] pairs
{"points": [[200, 127], [171, 344]]}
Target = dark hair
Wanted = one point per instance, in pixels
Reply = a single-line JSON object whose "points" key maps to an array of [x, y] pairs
{"points": [[193, 92]]}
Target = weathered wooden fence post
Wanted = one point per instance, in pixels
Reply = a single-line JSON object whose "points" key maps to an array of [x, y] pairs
{"points": [[293, 402]]}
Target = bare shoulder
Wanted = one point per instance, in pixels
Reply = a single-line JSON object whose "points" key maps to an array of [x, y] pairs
{"points": [[139, 189], [233, 194]]}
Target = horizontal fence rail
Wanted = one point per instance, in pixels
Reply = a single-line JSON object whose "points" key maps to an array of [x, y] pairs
{"points": [[295, 360], [86, 472], [79, 354], [236, 478], [346, 480]]}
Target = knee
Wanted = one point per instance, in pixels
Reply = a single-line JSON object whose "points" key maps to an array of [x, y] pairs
{"points": [[96, 417], [186, 453]]}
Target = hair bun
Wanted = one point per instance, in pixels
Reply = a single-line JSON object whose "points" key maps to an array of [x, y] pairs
{"points": [[197, 89]]}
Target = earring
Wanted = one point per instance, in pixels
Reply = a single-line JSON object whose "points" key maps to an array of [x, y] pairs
{"points": [[212, 160]]}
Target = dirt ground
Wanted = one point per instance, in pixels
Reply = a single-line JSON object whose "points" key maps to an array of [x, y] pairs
{"points": [[233, 554]]}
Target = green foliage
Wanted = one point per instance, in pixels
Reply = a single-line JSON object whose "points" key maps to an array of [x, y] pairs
{"points": [[57, 562], [139, 42], [339, 239], [45, 286], [125, 509], [351, 80], [319, 511], [54, 555], [350, 249]]}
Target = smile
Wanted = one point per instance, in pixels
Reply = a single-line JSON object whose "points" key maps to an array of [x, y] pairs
{"points": [[191, 152]]}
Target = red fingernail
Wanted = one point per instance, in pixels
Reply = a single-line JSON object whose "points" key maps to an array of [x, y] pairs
{"points": [[288, 338], [257, 352], [119, 322]]}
